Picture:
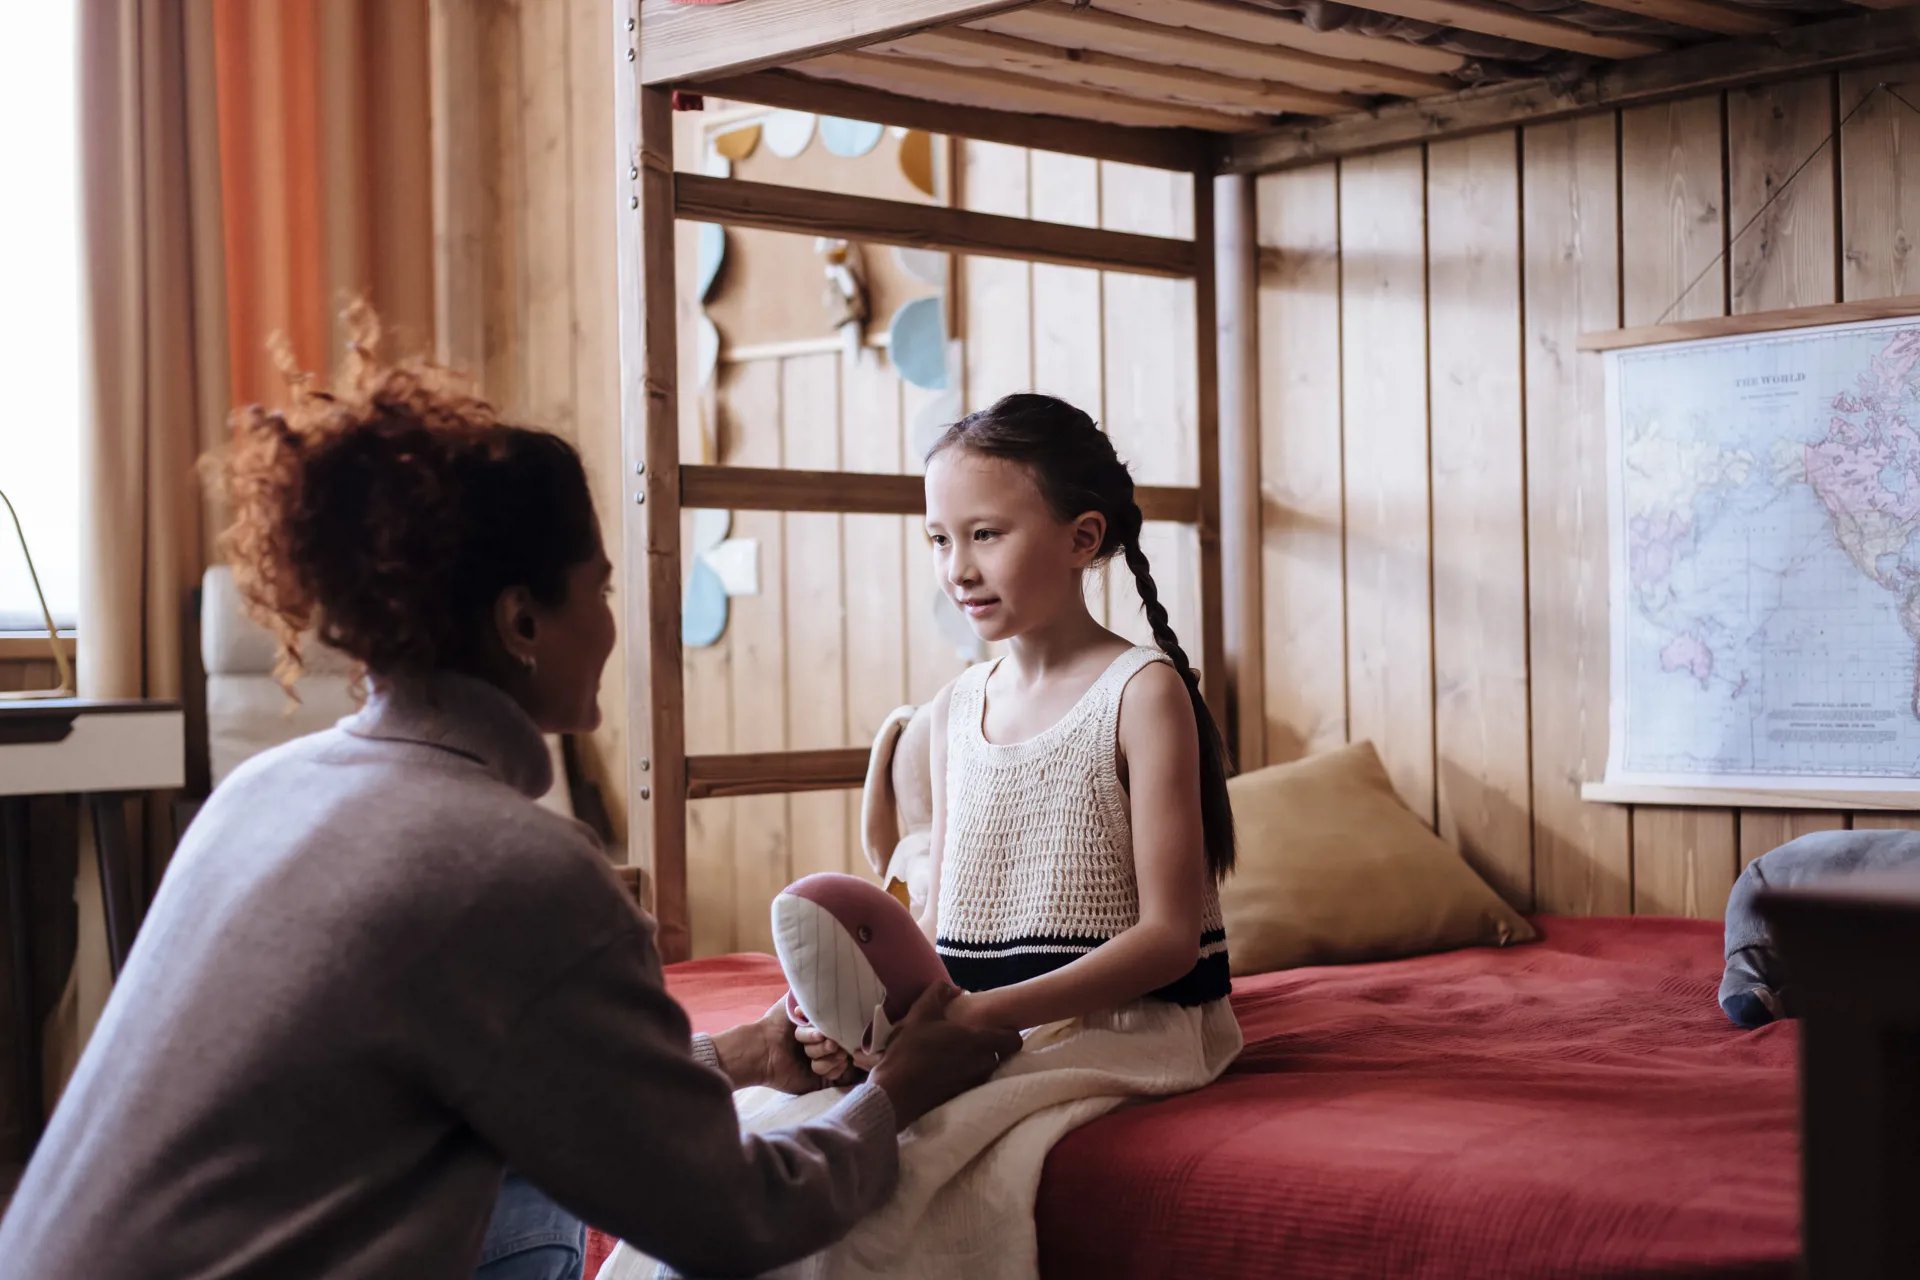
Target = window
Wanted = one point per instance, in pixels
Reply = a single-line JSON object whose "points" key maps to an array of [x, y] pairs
{"points": [[40, 333]]}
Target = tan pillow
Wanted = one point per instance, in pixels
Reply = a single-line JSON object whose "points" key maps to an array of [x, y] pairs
{"points": [[1333, 868]]}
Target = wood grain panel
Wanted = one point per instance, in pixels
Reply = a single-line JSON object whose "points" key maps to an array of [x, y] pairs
{"points": [[1787, 257], [1302, 520], [872, 439], [1151, 396], [1388, 532], [1479, 509], [998, 328], [1571, 264], [1673, 202], [756, 629], [546, 278], [1068, 349], [1886, 822], [815, 679], [1764, 830], [1880, 184]]}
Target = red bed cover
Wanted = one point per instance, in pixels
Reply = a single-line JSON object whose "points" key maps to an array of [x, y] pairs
{"points": [[1574, 1108]]}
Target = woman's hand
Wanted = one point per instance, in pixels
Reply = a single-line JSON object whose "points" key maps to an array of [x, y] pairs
{"points": [[766, 1053]]}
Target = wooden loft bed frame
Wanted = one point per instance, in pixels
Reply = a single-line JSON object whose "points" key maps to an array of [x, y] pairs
{"points": [[1205, 87]]}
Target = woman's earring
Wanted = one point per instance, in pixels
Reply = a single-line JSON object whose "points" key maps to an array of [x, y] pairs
{"points": [[530, 663]]}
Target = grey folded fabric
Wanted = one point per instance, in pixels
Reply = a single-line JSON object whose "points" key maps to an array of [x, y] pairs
{"points": [[1755, 989]]}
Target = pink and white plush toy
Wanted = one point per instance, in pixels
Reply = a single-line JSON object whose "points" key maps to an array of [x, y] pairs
{"points": [[855, 959]]}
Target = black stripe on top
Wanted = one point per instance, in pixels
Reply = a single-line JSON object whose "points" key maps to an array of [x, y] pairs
{"points": [[1208, 980]]}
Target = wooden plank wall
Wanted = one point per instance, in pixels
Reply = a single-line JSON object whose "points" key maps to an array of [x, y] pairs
{"points": [[1433, 450], [843, 630]]}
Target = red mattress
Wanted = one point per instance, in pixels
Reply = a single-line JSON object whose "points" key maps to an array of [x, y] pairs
{"points": [[1578, 1107]]}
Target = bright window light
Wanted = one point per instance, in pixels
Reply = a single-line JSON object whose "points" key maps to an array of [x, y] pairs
{"points": [[40, 339]]}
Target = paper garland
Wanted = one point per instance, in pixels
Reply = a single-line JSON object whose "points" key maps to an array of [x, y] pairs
{"points": [[710, 527], [787, 133], [738, 144], [708, 347], [703, 616], [736, 562], [713, 255], [928, 266], [917, 342], [916, 159], [850, 138]]}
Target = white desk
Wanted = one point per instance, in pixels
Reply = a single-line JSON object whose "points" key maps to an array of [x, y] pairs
{"points": [[98, 752]]}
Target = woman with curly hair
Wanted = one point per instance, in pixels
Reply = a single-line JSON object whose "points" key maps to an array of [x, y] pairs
{"points": [[378, 973]]}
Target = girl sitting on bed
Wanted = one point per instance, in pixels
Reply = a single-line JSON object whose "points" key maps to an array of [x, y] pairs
{"points": [[1080, 825]]}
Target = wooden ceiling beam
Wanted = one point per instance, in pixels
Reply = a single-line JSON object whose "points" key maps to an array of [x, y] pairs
{"points": [[1841, 45], [1002, 91], [1113, 74], [1268, 29], [1703, 15], [1112, 33], [1512, 24], [1157, 148], [681, 41]]}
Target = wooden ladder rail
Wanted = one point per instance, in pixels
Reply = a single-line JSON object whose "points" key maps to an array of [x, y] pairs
{"points": [[661, 777]]}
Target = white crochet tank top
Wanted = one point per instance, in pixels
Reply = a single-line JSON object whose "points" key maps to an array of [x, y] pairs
{"points": [[1038, 865]]}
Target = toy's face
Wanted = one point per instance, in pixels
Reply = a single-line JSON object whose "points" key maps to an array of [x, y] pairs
{"points": [[853, 956]]}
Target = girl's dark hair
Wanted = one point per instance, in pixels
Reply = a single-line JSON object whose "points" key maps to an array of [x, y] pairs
{"points": [[1077, 471], [388, 512]]}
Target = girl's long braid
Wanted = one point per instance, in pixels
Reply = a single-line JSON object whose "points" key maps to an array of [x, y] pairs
{"points": [[1216, 813]]}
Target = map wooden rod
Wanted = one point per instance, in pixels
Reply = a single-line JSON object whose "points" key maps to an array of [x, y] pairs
{"points": [[1757, 322], [1646, 796], [738, 203]]}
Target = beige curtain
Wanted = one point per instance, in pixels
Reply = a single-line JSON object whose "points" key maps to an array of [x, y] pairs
{"points": [[155, 317], [311, 117]]}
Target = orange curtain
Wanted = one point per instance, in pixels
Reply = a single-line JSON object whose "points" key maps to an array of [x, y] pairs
{"points": [[324, 167]]}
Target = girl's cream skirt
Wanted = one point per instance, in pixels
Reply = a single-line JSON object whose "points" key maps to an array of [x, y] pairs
{"points": [[970, 1171]]}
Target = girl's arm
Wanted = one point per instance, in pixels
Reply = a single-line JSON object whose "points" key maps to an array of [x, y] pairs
{"points": [[937, 837], [1160, 745]]}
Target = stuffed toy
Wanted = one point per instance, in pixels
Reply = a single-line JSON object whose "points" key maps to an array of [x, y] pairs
{"points": [[855, 961], [896, 809]]}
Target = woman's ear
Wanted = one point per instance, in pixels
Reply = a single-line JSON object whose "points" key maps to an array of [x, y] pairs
{"points": [[517, 624], [1089, 535]]}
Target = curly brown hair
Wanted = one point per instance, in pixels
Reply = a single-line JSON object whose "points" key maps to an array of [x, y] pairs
{"points": [[387, 512]]}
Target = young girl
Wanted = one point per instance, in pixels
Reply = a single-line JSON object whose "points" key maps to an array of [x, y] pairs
{"points": [[1080, 826]]}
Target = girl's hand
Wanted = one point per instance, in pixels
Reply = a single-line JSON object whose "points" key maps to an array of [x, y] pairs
{"points": [[830, 1062]]}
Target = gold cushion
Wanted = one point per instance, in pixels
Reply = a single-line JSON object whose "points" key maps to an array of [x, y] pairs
{"points": [[1332, 869]]}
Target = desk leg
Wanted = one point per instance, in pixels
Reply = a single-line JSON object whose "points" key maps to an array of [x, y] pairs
{"points": [[116, 875], [13, 848]]}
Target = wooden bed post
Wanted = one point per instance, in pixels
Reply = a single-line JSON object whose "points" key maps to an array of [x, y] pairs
{"points": [[650, 454], [1206, 324], [1236, 266]]}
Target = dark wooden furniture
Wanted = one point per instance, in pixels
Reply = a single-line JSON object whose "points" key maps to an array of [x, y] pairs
{"points": [[1852, 954], [101, 753]]}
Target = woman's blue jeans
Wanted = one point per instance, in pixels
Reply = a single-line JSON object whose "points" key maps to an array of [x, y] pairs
{"points": [[531, 1237]]}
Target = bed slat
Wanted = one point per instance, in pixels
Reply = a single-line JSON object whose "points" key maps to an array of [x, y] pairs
{"points": [[765, 773]]}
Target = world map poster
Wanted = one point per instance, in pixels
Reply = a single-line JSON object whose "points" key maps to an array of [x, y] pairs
{"points": [[1765, 560]]}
